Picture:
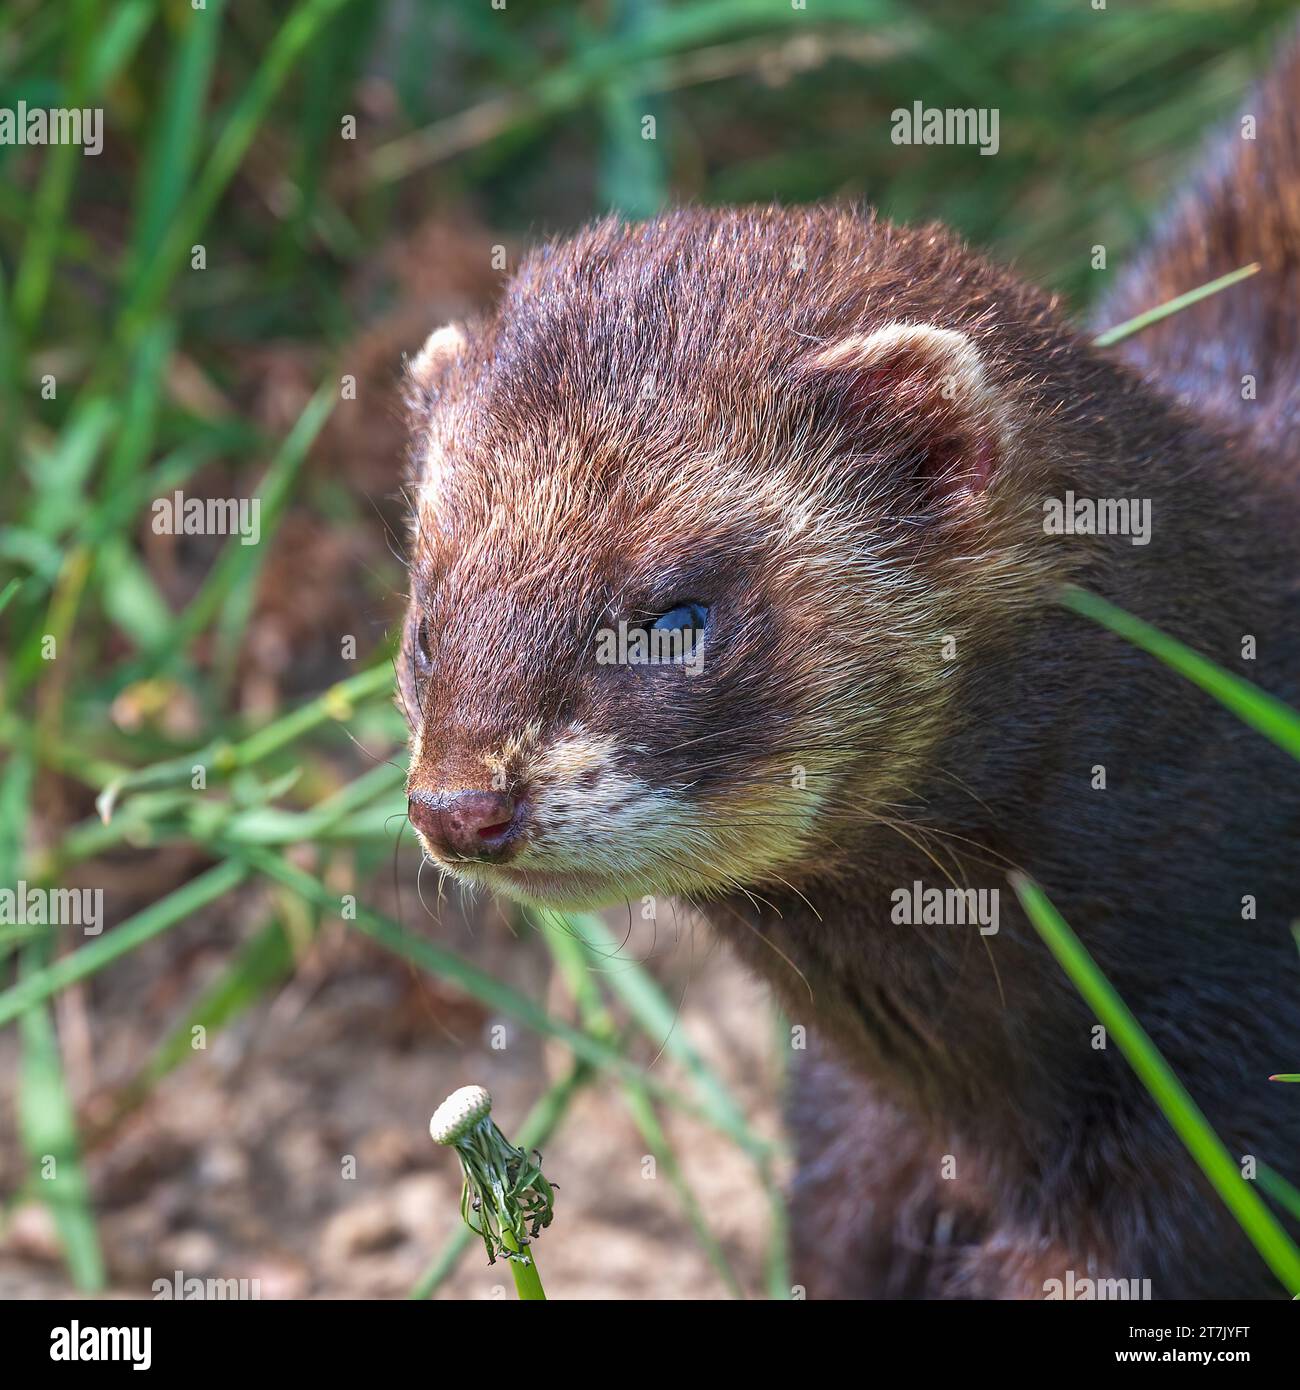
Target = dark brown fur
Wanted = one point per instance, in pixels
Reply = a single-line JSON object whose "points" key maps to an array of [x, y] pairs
{"points": [[939, 1052]]}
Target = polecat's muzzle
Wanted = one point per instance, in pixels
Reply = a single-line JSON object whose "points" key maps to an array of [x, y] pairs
{"points": [[468, 824]]}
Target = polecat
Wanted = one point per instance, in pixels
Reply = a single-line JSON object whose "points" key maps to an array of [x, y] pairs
{"points": [[807, 457]]}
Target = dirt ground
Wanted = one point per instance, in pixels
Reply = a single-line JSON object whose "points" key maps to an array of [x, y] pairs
{"points": [[234, 1167]]}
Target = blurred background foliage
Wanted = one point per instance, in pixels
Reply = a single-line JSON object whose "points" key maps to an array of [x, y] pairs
{"points": [[347, 169]]}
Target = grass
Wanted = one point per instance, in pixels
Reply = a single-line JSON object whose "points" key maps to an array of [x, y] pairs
{"points": [[1183, 301], [1265, 1232], [126, 373], [1279, 723]]}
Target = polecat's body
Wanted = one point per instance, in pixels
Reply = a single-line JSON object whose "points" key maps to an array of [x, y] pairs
{"points": [[836, 437]]}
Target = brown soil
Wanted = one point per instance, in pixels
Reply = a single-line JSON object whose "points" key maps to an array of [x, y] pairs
{"points": [[234, 1166]]}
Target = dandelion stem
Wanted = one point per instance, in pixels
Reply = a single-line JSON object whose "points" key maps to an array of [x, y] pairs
{"points": [[528, 1283]]}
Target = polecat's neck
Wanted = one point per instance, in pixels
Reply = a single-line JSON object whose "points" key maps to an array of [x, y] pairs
{"points": [[1122, 788]]}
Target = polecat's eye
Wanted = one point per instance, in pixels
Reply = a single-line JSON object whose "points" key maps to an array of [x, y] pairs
{"points": [[423, 661], [691, 616]]}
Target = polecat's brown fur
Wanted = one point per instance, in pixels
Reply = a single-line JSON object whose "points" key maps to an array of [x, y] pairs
{"points": [[838, 436]]}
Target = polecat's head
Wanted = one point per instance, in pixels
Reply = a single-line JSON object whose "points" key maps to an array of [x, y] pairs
{"points": [[702, 516]]}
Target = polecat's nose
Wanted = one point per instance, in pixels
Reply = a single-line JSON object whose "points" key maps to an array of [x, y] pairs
{"points": [[466, 824]]}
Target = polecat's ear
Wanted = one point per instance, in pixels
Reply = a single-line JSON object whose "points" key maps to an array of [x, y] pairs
{"points": [[918, 397], [441, 350]]}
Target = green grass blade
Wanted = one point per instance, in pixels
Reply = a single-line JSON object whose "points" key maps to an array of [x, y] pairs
{"points": [[776, 1264], [228, 590], [10, 383], [128, 936], [118, 40], [495, 993], [632, 173], [49, 209], [269, 825], [1182, 1112], [49, 1132], [337, 704], [647, 1120], [626, 59], [1162, 311], [1281, 1191], [169, 160], [235, 580], [291, 38], [261, 964], [149, 358], [573, 960], [658, 1018], [1263, 712], [46, 1121], [128, 596], [59, 477]]}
